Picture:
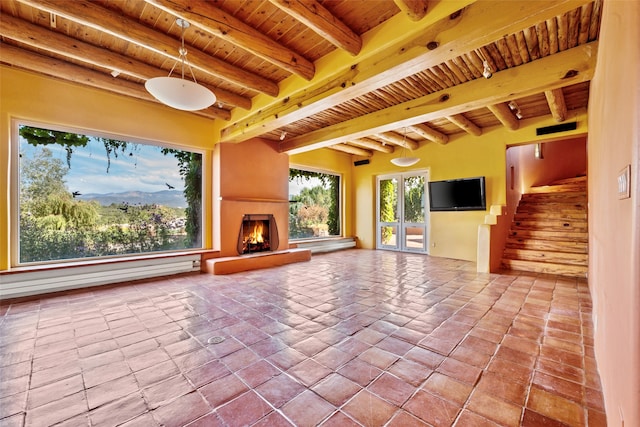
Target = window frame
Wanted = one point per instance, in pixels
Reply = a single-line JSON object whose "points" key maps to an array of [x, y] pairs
{"points": [[14, 192], [341, 207]]}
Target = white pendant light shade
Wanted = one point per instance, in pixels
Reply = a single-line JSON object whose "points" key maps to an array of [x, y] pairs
{"points": [[405, 161], [181, 94]]}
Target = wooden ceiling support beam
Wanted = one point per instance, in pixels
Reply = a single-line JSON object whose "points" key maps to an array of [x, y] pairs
{"points": [[373, 145], [566, 68], [399, 140], [51, 41], [555, 100], [76, 74], [447, 39], [319, 19], [430, 134], [504, 114], [110, 22], [215, 21], [415, 9], [465, 124], [352, 150]]}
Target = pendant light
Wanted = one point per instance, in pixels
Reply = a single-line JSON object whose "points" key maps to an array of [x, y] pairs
{"points": [[180, 93], [405, 161]]}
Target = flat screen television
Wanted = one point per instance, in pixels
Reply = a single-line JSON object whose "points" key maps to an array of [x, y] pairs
{"points": [[465, 194]]}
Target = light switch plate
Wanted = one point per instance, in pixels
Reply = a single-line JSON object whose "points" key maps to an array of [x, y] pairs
{"points": [[624, 192]]}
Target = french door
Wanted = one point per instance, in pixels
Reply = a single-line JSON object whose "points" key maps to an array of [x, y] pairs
{"points": [[402, 220]]}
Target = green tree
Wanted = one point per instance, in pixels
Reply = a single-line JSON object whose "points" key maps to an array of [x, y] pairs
{"points": [[388, 206]]}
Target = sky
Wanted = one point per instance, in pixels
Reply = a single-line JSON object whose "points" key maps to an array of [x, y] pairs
{"points": [[146, 169]]}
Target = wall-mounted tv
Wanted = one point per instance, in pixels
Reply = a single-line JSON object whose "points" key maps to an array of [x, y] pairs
{"points": [[466, 194]]}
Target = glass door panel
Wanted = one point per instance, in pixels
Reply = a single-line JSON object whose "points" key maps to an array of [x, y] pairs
{"points": [[388, 218], [402, 220]]}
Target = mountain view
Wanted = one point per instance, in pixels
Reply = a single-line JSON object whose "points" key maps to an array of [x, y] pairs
{"points": [[169, 198]]}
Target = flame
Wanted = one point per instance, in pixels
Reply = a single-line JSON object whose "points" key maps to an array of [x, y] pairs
{"points": [[256, 235]]}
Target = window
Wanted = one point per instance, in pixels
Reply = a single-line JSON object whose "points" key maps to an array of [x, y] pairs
{"points": [[314, 204], [83, 196]]}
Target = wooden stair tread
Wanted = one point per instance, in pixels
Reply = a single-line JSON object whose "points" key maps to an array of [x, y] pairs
{"points": [[546, 268], [546, 256], [549, 232], [550, 245]]}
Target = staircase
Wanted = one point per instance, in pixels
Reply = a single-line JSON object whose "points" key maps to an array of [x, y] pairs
{"points": [[549, 231]]}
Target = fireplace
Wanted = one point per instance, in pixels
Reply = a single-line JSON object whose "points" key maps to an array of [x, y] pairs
{"points": [[258, 233]]}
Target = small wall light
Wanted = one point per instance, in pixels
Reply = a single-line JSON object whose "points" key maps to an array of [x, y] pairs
{"points": [[537, 151]]}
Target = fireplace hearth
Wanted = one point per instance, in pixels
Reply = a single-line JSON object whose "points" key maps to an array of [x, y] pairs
{"points": [[258, 233]]}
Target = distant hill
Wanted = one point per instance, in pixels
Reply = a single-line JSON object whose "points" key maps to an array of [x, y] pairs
{"points": [[170, 198]]}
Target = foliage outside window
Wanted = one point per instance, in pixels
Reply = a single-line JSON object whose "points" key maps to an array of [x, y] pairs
{"points": [[388, 207], [414, 199], [82, 196], [314, 204]]}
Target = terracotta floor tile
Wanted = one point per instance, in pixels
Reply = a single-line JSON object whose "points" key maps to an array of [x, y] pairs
{"points": [[258, 373], [156, 373], [182, 410], [307, 344], [307, 409], [555, 407], [360, 372], [448, 388], [336, 389], [504, 413], [392, 389], [246, 409], [369, 409], [432, 409], [119, 411], [164, 392], [309, 372]]}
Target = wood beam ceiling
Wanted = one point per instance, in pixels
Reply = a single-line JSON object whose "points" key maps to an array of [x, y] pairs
{"points": [[465, 124], [562, 69], [415, 9], [557, 105], [433, 44]]}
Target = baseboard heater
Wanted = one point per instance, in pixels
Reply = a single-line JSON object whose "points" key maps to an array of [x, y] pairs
{"points": [[20, 284]]}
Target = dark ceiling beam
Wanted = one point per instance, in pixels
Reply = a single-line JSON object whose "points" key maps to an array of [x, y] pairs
{"points": [[215, 21]]}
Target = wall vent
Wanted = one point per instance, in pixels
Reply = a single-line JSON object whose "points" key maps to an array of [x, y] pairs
{"points": [[564, 127]]}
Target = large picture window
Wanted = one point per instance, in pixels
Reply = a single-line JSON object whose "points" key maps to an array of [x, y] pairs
{"points": [[314, 204], [83, 196]]}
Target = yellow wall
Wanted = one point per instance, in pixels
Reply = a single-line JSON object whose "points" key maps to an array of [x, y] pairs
{"points": [[614, 224], [455, 234], [27, 96]]}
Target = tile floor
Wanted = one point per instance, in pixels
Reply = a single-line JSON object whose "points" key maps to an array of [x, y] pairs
{"points": [[351, 338]]}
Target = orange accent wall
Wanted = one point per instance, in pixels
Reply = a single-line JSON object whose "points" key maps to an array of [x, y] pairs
{"points": [[614, 224], [249, 178]]}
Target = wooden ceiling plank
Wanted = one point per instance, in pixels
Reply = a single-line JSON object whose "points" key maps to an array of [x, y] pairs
{"points": [[557, 105], [585, 21], [430, 134], [42, 38], [107, 21], [552, 26], [415, 9], [213, 20], [563, 69], [504, 114], [79, 75], [465, 124], [373, 145], [399, 140], [453, 36], [323, 22], [352, 150]]}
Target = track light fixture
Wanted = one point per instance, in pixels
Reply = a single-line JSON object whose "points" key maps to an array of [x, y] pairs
{"points": [[516, 110], [486, 72]]}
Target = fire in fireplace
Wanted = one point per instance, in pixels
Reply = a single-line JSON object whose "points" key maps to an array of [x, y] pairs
{"points": [[258, 233]]}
